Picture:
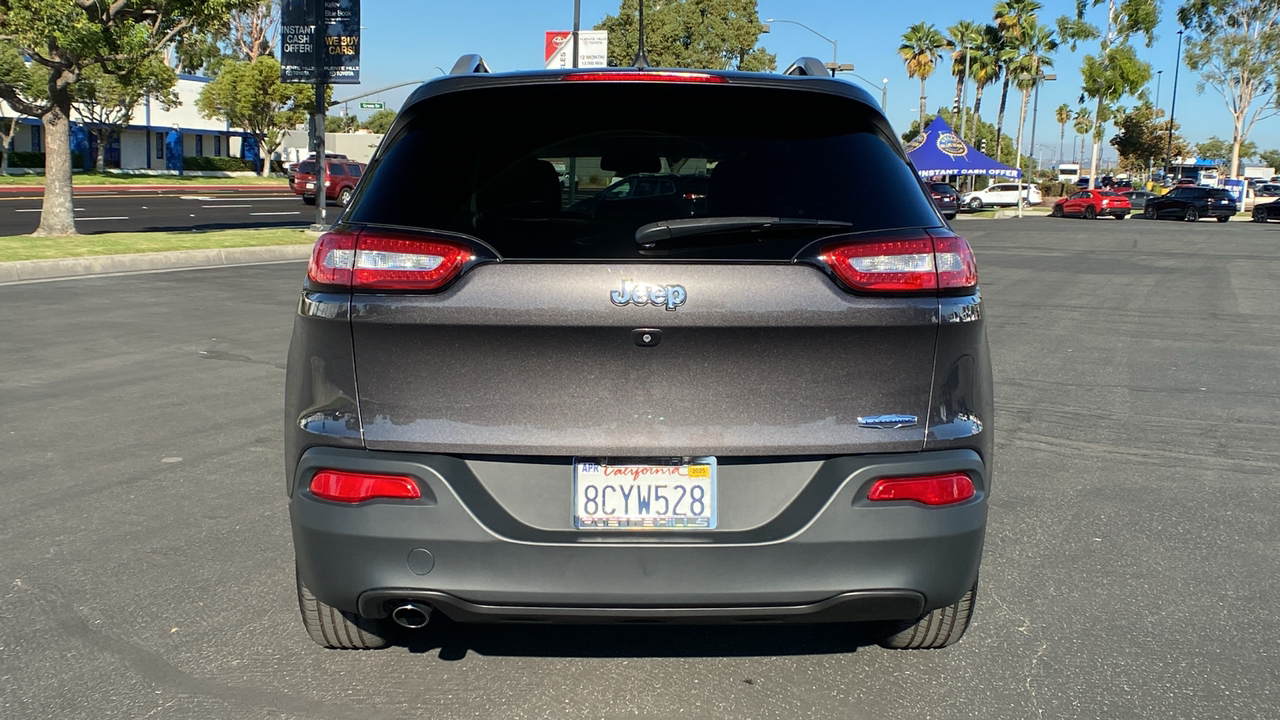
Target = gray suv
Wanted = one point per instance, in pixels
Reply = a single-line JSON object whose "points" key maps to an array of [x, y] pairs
{"points": [[777, 408]]}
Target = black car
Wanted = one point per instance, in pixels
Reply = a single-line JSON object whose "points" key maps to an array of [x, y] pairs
{"points": [[647, 196], [1190, 203], [1267, 190], [946, 198], [777, 409], [1262, 212]]}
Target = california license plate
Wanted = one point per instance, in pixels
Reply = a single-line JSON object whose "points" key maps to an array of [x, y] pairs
{"points": [[311, 186], [644, 493]]}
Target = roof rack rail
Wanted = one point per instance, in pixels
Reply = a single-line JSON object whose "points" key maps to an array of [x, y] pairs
{"points": [[808, 66], [468, 64]]}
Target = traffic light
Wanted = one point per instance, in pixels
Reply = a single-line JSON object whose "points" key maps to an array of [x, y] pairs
{"points": [[982, 148]]}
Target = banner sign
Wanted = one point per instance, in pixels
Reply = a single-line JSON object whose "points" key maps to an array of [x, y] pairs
{"points": [[340, 34], [593, 49]]}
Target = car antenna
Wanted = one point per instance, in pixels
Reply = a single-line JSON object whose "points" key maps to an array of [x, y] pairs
{"points": [[641, 62]]}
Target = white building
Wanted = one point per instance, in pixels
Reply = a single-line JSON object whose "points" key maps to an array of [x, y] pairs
{"points": [[142, 145]]}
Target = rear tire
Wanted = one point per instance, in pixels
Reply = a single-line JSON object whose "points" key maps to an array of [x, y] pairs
{"points": [[938, 629], [344, 197], [1192, 214], [975, 204], [309, 200], [1121, 216], [950, 216], [1224, 218], [1259, 215], [1057, 211], [337, 629], [1090, 213]]}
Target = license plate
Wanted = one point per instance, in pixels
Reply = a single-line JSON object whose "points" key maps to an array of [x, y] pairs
{"points": [[311, 186], [644, 493]]}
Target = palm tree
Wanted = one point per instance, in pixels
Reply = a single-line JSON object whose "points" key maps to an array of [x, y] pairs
{"points": [[921, 49], [985, 70], [1083, 126], [1009, 17], [1037, 43], [967, 36], [1063, 116]]}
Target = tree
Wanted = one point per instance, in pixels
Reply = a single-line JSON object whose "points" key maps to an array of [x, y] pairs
{"points": [[1222, 153], [967, 38], [1116, 70], [1270, 158], [985, 69], [105, 102], [921, 49], [1083, 125], [1035, 42], [380, 121], [1235, 46], [1142, 139], [14, 73], [250, 96], [254, 31], [249, 31], [63, 37], [1010, 17], [710, 34], [1063, 116], [340, 123]]}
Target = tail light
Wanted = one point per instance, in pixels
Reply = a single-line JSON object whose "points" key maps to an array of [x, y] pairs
{"points": [[351, 487], [383, 261], [945, 489], [922, 263], [693, 196]]}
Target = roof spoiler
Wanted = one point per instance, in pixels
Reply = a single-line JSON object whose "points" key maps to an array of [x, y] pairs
{"points": [[468, 64], [808, 66]]}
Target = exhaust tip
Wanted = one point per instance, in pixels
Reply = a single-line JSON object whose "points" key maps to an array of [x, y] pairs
{"points": [[412, 615]]}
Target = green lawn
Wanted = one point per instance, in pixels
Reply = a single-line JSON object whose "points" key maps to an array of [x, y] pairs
{"points": [[95, 179], [23, 247]]}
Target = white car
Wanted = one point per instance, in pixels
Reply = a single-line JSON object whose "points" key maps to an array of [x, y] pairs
{"points": [[1001, 194]]}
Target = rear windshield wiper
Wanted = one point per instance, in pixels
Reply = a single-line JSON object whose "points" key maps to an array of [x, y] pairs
{"points": [[746, 229]]}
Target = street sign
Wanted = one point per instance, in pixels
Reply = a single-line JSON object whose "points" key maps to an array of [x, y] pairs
{"points": [[340, 33], [372, 106], [593, 49]]}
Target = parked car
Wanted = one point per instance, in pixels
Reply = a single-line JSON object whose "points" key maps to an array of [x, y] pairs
{"points": [[1181, 182], [1267, 190], [340, 183], [778, 409], [946, 198], [1082, 182], [1089, 204], [1138, 199], [1192, 203], [655, 196], [1002, 195], [1262, 212]]}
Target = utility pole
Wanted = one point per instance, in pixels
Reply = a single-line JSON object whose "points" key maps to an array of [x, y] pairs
{"points": [[964, 92], [318, 43], [1173, 105]]}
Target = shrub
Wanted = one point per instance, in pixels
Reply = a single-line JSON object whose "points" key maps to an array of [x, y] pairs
{"points": [[223, 164], [35, 160]]}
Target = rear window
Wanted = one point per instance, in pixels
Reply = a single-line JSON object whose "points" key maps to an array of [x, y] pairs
{"points": [[307, 166], [579, 184], [943, 188], [1220, 194], [1109, 194]]}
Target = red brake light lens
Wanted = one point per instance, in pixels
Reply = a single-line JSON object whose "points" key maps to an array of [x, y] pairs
{"points": [[644, 76], [348, 487], [945, 489], [377, 261], [911, 264]]}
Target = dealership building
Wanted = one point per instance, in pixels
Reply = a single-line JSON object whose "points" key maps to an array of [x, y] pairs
{"points": [[146, 143]]}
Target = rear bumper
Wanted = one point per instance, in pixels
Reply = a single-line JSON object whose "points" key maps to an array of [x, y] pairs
{"points": [[828, 554]]}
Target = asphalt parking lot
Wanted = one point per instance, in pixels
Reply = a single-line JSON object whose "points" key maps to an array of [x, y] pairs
{"points": [[1132, 563]]}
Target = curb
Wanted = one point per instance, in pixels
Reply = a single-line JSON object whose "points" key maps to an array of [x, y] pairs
{"points": [[59, 268], [142, 188]]}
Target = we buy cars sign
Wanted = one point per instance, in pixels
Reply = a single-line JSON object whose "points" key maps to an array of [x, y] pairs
{"points": [[593, 49]]}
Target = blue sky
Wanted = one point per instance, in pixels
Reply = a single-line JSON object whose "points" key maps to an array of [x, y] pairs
{"points": [[410, 39]]}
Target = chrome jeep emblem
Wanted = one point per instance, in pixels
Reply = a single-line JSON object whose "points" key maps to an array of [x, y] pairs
{"points": [[638, 293], [887, 422]]}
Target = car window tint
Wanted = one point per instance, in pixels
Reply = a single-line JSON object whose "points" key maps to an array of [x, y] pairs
{"points": [[306, 166], [1221, 194], [503, 186], [337, 169], [354, 170], [1109, 194]]}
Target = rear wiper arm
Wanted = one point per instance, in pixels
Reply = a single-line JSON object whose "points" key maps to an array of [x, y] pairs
{"points": [[655, 234]]}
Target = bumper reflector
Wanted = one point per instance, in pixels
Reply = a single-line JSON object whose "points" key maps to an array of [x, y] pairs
{"points": [[348, 487], [930, 489]]}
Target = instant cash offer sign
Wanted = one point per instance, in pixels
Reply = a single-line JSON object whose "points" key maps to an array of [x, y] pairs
{"points": [[339, 33], [593, 49]]}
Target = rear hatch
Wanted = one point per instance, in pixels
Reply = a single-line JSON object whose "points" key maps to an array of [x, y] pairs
{"points": [[562, 328]]}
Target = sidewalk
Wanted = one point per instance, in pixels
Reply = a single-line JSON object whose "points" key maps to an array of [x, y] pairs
{"points": [[62, 268], [127, 187]]}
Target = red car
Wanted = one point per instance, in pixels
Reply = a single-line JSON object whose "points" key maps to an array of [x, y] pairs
{"points": [[340, 184], [1089, 204]]}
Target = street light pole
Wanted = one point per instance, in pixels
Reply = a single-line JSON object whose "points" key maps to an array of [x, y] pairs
{"points": [[1168, 154], [318, 42], [835, 45], [573, 160], [1035, 109], [964, 92]]}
